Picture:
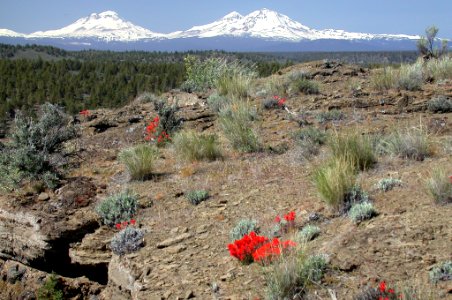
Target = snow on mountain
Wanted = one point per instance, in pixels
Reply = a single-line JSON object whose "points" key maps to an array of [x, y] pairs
{"points": [[263, 24], [271, 25], [107, 26], [10, 33]]}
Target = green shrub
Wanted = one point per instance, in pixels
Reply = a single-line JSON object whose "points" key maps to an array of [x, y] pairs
{"points": [[234, 85], [126, 241], [235, 122], [139, 160], [384, 79], [291, 276], [308, 233], [197, 196], [439, 69], [410, 77], [440, 104], [334, 179], [331, 115], [118, 208], [244, 226], [441, 272], [204, 75], [271, 104], [51, 290], [354, 147], [362, 211], [304, 86], [412, 143], [309, 140], [169, 122], [34, 150], [387, 184], [192, 146], [217, 102], [440, 187]]}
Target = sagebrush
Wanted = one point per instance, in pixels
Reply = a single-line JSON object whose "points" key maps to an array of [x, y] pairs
{"points": [[127, 241], [118, 208]]}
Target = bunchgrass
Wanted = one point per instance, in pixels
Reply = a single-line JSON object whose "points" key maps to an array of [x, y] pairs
{"points": [[334, 179], [139, 160], [356, 148], [412, 143], [410, 77], [440, 186], [309, 140], [304, 86], [217, 102], [194, 146], [291, 276], [439, 69], [236, 123], [384, 79], [440, 104]]}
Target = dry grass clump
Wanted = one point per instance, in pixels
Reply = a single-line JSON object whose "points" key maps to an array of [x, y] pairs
{"points": [[413, 143], [139, 160], [334, 180], [356, 148], [236, 123], [291, 276], [440, 186], [194, 146]]}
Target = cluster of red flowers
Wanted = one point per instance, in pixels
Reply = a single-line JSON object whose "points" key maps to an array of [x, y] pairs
{"points": [[387, 294], [287, 222], [267, 252], [244, 248], [85, 113], [124, 224], [253, 247], [450, 178], [281, 101], [151, 130]]}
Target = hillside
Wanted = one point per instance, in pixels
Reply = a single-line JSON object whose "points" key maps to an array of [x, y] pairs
{"points": [[185, 253]]}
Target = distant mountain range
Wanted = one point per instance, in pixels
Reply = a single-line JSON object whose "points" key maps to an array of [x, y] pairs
{"points": [[261, 30]]}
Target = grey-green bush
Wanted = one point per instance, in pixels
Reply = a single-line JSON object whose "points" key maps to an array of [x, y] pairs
{"points": [[217, 102], [169, 121], [118, 208], [387, 184], [308, 233], [192, 146], [34, 150], [362, 211], [441, 272], [330, 115], [440, 104], [197, 196], [139, 160], [304, 86], [127, 241], [244, 226]]}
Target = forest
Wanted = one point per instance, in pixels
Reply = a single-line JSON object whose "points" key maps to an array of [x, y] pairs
{"points": [[34, 74]]}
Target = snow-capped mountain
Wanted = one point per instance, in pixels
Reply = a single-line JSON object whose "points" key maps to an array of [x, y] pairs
{"points": [[270, 25], [106, 26], [260, 30]]}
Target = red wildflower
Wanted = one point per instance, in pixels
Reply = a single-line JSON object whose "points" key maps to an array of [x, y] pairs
{"points": [[132, 222], [276, 97], [450, 177], [118, 226], [290, 217], [277, 219], [281, 101], [125, 223], [267, 252], [382, 286], [243, 249], [84, 113]]}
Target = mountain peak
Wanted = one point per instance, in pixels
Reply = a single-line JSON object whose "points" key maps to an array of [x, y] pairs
{"points": [[232, 15], [109, 13]]}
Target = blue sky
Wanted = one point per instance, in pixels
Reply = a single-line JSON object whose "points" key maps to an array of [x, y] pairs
{"points": [[376, 16]]}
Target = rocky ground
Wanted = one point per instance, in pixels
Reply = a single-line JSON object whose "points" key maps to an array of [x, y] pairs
{"points": [[185, 254]]}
